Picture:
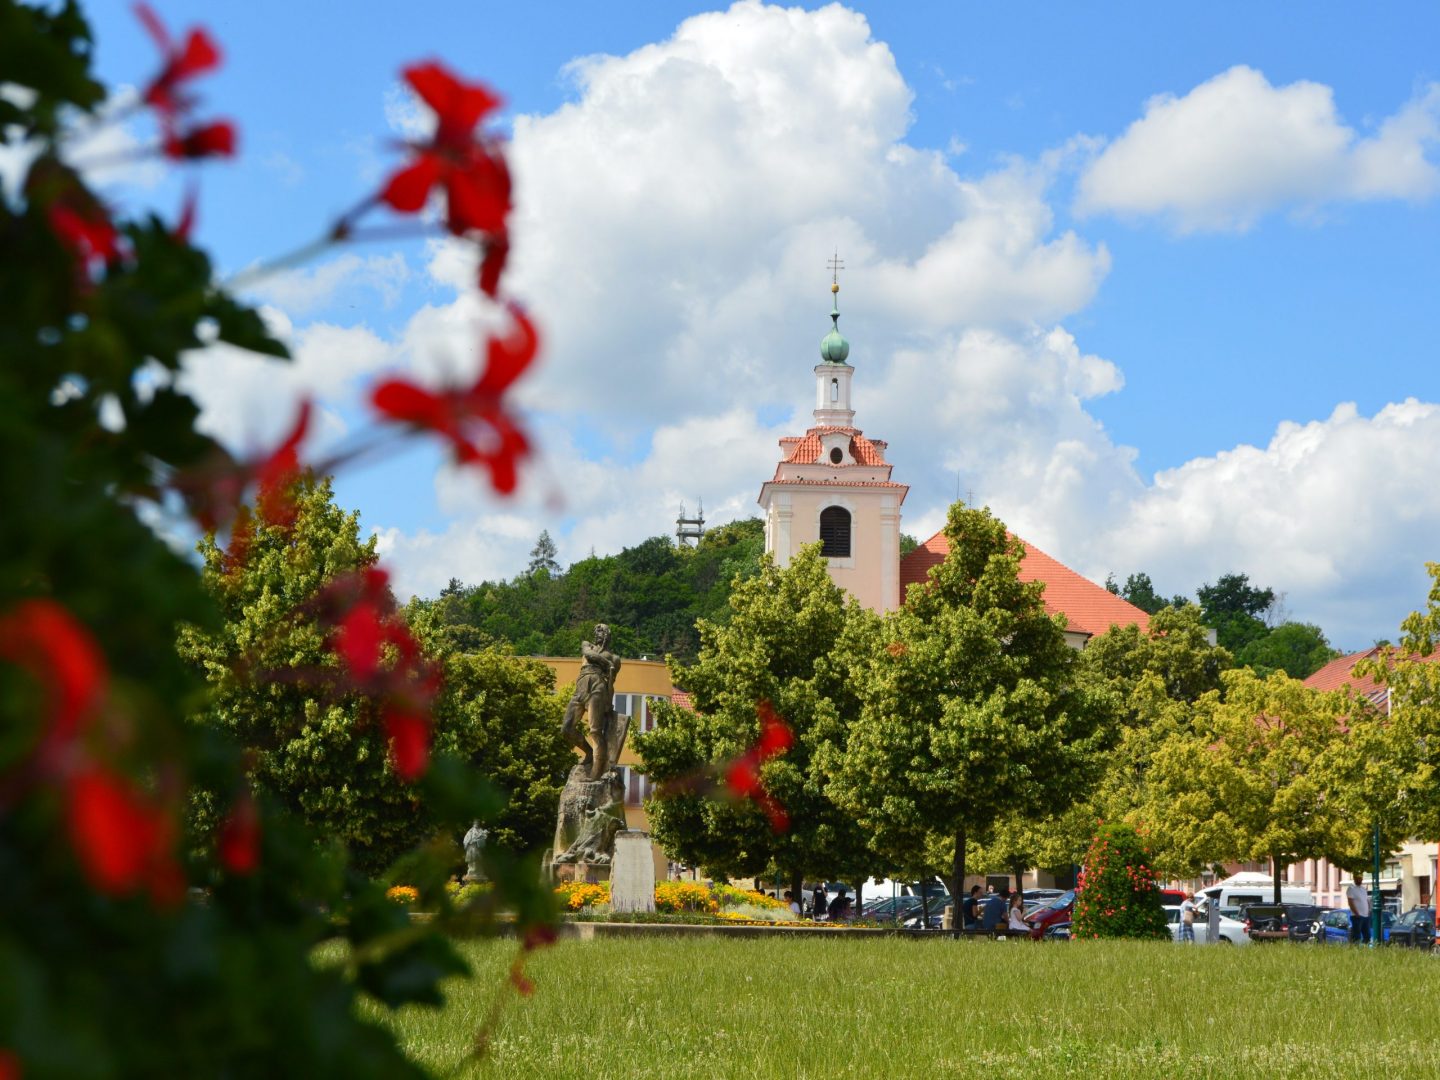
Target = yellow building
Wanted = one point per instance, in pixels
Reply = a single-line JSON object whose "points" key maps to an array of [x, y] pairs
{"points": [[638, 686]]}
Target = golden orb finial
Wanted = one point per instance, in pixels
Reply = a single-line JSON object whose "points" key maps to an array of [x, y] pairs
{"points": [[835, 287]]}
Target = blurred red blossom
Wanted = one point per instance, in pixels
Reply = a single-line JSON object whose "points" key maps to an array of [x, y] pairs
{"points": [[87, 232], [122, 839], [213, 491], [471, 169], [275, 474], [237, 843], [198, 55], [742, 776], [358, 639], [208, 140], [44, 638], [409, 735], [473, 419]]}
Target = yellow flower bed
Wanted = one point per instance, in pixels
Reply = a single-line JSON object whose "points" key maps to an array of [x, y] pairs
{"points": [[730, 896], [575, 895], [678, 896], [403, 894]]}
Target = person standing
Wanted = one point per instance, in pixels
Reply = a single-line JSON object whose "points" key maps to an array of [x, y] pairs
{"points": [[1187, 918], [1359, 901], [819, 906]]}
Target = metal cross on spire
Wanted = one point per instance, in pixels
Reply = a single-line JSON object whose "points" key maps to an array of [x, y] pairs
{"points": [[836, 264]]}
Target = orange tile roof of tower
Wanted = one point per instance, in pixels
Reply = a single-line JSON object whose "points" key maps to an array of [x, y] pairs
{"points": [[1087, 607], [806, 450]]}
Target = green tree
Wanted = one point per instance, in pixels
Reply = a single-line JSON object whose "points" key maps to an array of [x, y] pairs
{"points": [[1154, 677], [324, 756], [1397, 757], [542, 556], [1297, 649], [1235, 608], [501, 714], [1252, 779], [786, 641], [971, 709], [1117, 896]]}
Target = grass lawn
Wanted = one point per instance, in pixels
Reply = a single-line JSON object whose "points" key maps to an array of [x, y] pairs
{"points": [[818, 1009]]}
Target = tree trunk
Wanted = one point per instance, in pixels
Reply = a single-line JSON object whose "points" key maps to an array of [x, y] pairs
{"points": [[1020, 883], [957, 878], [1275, 875]]}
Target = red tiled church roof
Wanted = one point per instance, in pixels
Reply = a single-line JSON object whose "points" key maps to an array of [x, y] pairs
{"points": [[806, 450], [1340, 672], [1087, 607]]}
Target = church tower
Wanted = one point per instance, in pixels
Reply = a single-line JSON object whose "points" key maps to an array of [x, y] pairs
{"points": [[833, 485]]}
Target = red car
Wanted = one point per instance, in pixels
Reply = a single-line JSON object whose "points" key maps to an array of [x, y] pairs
{"points": [[1050, 913]]}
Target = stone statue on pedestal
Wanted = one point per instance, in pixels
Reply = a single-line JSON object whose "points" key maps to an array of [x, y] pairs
{"points": [[592, 805], [475, 851]]}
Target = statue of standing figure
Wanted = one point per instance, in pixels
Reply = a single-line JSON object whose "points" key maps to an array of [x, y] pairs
{"points": [[475, 851], [594, 697]]}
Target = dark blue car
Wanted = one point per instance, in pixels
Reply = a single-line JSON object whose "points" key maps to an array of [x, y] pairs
{"points": [[1335, 927]]}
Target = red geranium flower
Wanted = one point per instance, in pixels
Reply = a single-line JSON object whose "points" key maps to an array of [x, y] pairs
{"points": [[471, 170], [474, 418], [122, 840], [358, 638], [87, 232], [409, 735], [277, 472], [198, 56], [238, 841], [742, 776], [209, 140], [44, 638]]}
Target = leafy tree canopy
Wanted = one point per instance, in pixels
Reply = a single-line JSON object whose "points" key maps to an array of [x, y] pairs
{"points": [[1254, 778], [1297, 649], [788, 640], [323, 756], [652, 595], [971, 707]]}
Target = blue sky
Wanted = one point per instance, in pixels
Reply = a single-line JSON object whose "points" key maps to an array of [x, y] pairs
{"points": [[1113, 268]]}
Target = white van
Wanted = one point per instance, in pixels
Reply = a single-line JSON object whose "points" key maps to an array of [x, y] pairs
{"points": [[1242, 890]]}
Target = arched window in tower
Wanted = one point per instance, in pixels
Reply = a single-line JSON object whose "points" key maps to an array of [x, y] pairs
{"points": [[834, 389], [835, 532]]}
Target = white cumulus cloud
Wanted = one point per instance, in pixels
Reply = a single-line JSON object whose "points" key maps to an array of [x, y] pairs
{"points": [[1236, 147]]}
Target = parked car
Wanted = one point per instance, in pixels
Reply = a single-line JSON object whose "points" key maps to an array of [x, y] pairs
{"points": [[1335, 926], [1281, 922], [1051, 914], [1415, 929], [1231, 930], [1057, 932]]}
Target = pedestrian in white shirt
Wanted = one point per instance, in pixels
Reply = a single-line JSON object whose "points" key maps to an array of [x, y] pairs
{"points": [[1359, 901]]}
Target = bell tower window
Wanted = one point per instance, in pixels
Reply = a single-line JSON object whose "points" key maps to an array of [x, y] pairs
{"points": [[834, 389], [835, 532]]}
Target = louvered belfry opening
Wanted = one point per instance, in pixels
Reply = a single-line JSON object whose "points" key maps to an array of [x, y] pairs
{"points": [[835, 533]]}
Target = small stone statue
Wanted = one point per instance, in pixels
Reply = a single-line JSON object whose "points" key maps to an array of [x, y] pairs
{"points": [[475, 851], [594, 696]]}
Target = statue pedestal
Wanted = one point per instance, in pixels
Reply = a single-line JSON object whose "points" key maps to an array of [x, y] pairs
{"points": [[632, 873], [591, 813]]}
